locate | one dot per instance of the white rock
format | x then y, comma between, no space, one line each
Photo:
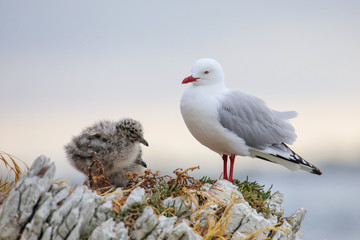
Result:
163,230
204,215
34,227
275,202
179,204
236,215
206,187
76,217
293,224
47,233
110,230
19,205
297,218
137,195
145,224
118,193
224,189
68,208
184,232
280,235
58,196
102,213
252,223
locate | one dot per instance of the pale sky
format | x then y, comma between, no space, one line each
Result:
66,64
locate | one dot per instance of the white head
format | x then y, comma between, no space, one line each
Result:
205,71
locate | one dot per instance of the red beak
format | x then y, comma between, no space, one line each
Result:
189,79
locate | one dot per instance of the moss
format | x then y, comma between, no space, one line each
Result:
206,179
159,193
255,194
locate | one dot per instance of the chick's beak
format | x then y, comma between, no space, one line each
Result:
142,163
143,141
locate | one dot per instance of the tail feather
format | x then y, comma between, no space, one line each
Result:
283,155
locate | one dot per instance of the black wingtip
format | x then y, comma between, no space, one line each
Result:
316,171
301,161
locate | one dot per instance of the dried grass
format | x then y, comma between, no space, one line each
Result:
10,165
97,180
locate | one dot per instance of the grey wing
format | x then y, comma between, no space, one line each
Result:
249,118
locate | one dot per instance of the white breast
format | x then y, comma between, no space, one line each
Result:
199,109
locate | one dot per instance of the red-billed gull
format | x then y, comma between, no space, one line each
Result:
233,123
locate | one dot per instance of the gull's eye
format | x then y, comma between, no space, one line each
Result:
206,72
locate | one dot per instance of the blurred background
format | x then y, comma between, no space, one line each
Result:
67,64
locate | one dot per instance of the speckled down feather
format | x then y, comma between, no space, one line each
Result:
119,179
116,145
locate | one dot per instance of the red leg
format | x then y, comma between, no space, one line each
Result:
225,157
232,160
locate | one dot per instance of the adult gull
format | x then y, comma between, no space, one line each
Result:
233,123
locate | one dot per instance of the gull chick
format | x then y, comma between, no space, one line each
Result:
116,145
119,178
233,123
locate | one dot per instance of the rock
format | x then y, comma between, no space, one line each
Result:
36,207
296,218
236,215
293,224
275,202
223,190
72,219
250,224
137,195
281,235
110,230
180,205
204,215
164,228
19,206
39,208
48,204
103,212
145,224
183,232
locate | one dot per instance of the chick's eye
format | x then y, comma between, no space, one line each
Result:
206,72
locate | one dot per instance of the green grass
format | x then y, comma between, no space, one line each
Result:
161,192
255,194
